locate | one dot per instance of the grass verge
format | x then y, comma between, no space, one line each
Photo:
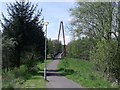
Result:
23,78
82,72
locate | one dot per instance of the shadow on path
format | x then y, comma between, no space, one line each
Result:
60,72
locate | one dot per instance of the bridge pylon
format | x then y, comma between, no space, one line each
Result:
62,28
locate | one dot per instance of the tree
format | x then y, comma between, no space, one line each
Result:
8,48
54,47
92,19
50,48
100,22
24,25
80,48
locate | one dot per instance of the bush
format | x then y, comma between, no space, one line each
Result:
65,64
20,72
7,78
106,58
33,70
16,76
23,69
30,63
80,48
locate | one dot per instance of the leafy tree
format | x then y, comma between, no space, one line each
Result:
100,21
24,26
50,48
92,19
80,48
54,47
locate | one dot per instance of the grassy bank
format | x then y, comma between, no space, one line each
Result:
83,73
24,78
36,80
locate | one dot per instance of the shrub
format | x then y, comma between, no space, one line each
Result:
19,72
34,69
7,78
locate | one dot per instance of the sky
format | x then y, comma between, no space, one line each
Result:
53,12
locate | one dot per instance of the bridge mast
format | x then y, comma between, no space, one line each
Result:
62,27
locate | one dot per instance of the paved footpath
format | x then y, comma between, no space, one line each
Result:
55,80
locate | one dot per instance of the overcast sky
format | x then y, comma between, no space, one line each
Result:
53,12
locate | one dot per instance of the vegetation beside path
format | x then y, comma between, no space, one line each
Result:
24,77
82,72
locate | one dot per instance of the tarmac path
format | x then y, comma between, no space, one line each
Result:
55,80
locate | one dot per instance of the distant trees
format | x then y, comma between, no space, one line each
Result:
23,37
54,47
99,22
80,48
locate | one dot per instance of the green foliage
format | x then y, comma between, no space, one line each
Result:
104,59
92,19
54,46
15,77
7,78
22,34
65,64
80,48
98,55
50,48
34,69
8,46
83,73
20,72
24,77
30,63
101,22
